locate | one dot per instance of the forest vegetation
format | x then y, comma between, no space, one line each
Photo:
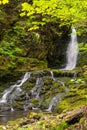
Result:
34,35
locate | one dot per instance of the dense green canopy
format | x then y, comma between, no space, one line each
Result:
65,12
4,1
25,23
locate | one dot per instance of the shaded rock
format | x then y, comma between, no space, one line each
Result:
66,73
76,116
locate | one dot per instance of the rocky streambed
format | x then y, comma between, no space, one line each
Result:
49,96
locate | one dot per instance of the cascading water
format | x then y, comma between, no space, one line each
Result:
72,51
57,80
55,100
35,94
36,89
52,75
13,91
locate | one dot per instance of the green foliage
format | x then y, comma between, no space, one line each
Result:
12,66
4,2
9,49
82,47
66,12
62,126
77,81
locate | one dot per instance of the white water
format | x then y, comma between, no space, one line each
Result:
35,91
72,52
52,75
14,89
55,101
55,79
10,94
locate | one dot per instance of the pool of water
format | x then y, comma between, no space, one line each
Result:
10,116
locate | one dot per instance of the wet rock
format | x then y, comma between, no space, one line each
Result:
24,122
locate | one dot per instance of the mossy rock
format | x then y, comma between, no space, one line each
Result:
46,72
35,102
11,76
28,86
41,73
44,89
64,73
81,60
18,105
45,103
48,81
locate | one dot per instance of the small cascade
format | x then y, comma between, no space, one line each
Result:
12,109
55,101
72,52
27,104
13,91
35,91
55,79
52,75
34,98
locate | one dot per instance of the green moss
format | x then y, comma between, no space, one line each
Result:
44,89
63,105
35,102
28,86
62,126
56,84
22,64
46,101
57,87
18,105
48,81
12,66
63,73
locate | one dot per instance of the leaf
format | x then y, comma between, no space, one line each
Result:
33,28
67,12
22,14
4,2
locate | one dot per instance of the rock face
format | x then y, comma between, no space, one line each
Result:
47,90
19,46
61,92
38,90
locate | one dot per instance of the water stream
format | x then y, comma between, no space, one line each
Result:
57,80
34,94
54,101
10,116
9,94
72,51
35,91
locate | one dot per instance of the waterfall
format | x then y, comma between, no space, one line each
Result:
72,51
13,90
35,96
